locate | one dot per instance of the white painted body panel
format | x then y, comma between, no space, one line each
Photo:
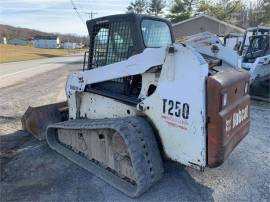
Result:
182,79
231,42
260,68
95,106
203,43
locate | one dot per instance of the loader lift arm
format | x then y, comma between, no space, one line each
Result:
116,38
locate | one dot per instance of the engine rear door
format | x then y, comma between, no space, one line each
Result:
228,107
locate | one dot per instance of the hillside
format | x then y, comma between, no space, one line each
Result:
17,32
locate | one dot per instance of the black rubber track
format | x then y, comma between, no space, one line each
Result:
141,143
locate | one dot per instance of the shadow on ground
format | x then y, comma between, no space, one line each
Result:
71,63
31,171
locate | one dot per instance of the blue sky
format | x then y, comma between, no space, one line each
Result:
56,15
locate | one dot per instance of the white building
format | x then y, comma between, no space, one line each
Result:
3,40
79,45
46,42
69,45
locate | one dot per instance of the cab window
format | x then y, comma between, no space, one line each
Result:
112,43
155,33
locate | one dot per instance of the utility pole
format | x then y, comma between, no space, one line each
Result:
91,14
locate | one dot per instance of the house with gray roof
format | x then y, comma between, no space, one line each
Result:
202,23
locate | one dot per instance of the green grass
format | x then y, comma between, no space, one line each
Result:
12,53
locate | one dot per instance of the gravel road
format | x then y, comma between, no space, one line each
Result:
13,72
31,171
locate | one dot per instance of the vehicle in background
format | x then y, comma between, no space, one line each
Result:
252,53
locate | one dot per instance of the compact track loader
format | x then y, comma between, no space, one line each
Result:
142,97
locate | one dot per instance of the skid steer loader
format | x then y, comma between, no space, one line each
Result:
141,97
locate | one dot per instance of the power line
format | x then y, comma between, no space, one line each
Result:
91,14
76,10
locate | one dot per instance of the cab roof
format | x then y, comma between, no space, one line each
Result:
259,27
126,16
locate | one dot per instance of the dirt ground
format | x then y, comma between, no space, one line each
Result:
31,171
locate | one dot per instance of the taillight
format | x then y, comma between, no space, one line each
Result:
224,99
246,87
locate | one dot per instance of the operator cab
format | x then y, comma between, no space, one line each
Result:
256,43
116,38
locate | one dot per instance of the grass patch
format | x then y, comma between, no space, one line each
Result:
12,53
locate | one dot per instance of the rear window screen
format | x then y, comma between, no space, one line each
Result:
155,33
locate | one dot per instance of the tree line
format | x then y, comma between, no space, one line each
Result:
239,12
11,32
